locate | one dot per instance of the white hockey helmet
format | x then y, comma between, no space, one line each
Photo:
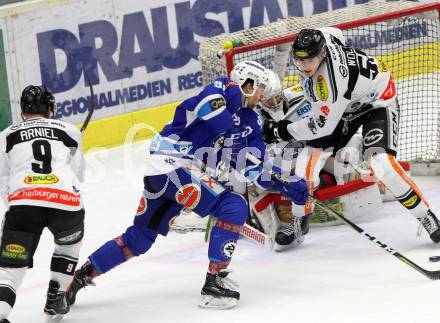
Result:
250,70
273,94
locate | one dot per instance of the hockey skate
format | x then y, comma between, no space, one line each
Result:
5,321
293,234
431,225
219,291
56,304
82,278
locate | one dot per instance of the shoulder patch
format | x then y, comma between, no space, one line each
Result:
217,103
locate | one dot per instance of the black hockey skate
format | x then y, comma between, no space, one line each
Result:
82,278
431,225
56,304
4,321
293,234
219,292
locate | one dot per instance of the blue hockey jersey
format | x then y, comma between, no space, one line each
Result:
200,119
213,121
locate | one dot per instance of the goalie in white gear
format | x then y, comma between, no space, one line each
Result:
277,105
348,89
290,104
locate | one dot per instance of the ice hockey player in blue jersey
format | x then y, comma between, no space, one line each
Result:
207,136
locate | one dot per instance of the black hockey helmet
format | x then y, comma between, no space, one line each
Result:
37,100
308,44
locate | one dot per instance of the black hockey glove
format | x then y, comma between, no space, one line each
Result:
268,132
276,131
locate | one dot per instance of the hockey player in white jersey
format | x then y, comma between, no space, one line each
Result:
41,164
276,105
348,89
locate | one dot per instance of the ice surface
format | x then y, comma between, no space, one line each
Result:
335,276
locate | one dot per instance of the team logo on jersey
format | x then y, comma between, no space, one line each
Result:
373,136
189,195
321,88
41,179
217,103
142,207
383,67
229,248
343,70
297,88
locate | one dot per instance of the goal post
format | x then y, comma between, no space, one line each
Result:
402,34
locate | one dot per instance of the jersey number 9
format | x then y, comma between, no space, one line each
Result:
43,155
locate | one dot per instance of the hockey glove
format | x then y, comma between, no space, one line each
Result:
297,191
276,131
268,132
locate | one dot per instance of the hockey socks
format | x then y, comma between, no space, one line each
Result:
135,241
222,244
108,256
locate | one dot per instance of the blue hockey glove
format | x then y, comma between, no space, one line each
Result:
297,191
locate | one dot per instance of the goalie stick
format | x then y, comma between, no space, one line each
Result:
428,273
91,108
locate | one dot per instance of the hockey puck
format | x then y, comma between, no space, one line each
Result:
434,259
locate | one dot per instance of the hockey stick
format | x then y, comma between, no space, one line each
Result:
428,273
91,108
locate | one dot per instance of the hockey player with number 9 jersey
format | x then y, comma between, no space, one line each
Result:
348,89
41,166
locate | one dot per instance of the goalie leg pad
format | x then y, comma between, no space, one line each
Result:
16,248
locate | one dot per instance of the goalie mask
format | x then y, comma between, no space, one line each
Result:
273,98
250,71
37,100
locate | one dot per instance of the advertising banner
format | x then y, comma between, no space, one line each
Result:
137,54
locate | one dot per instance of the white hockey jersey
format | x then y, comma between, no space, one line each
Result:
41,164
347,84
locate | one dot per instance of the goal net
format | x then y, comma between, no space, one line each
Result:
404,35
